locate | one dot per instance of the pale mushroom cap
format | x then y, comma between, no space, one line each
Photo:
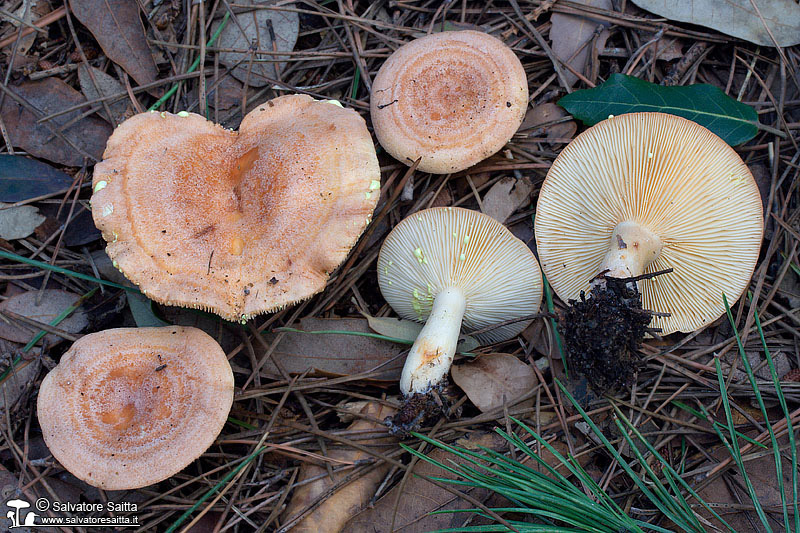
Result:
453,98
129,407
236,223
454,247
675,178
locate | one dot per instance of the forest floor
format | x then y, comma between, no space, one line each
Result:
305,432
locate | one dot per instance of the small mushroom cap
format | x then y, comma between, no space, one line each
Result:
453,98
675,178
453,247
129,407
237,223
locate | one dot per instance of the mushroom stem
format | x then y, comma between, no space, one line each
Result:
631,249
432,353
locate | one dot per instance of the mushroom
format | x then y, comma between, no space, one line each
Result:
129,407
631,197
236,223
450,267
452,98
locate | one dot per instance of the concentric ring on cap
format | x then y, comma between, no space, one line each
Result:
453,98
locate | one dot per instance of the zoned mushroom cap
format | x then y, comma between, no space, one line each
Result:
453,98
237,223
129,407
675,178
454,247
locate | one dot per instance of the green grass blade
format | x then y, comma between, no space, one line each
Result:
193,66
733,447
548,295
56,321
792,446
213,490
344,332
703,416
47,266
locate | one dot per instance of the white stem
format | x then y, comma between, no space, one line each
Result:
432,354
631,249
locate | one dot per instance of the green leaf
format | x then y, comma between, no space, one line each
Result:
707,105
143,313
408,330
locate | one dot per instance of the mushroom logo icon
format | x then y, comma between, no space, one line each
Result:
14,515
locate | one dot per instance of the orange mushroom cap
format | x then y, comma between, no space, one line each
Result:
129,407
452,98
237,223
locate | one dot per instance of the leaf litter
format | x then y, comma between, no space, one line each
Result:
291,386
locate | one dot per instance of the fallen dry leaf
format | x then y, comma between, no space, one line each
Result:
17,382
256,25
569,34
420,497
18,222
53,303
545,113
25,12
47,96
761,472
22,178
736,17
506,196
342,505
492,379
117,26
104,85
336,354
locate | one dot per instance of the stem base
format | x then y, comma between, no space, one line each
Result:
603,334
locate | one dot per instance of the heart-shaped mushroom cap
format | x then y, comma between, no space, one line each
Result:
129,407
237,223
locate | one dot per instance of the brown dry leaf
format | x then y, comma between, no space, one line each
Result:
26,13
736,17
117,26
549,112
668,49
17,382
506,196
570,33
48,96
53,303
761,472
253,29
336,354
341,506
105,86
420,497
18,222
492,379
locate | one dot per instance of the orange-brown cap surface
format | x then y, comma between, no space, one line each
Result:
237,223
129,407
452,98
674,180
